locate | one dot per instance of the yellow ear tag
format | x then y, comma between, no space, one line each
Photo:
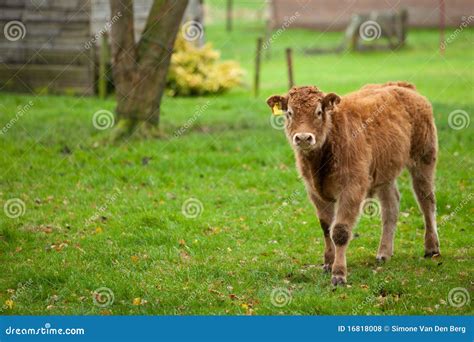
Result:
276,110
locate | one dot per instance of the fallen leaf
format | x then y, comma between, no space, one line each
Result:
134,258
47,230
9,304
184,256
139,301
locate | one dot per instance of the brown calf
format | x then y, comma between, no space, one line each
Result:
353,147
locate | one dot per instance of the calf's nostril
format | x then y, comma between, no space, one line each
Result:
306,138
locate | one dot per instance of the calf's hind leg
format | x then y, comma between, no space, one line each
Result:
389,197
423,185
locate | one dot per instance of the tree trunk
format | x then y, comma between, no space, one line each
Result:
140,69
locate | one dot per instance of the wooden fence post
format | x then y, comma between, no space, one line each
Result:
442,20
103,60
258,54
229,15
289,62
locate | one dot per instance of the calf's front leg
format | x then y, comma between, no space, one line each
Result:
348,208
325,211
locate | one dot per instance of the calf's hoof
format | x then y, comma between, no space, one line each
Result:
327,268
381,258
434,253
338,280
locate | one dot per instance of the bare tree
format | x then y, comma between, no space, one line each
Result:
140,69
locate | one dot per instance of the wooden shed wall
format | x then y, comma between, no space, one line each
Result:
334,15
54,56
100,14
51,57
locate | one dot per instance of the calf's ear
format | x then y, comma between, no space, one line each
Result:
330,101
278,102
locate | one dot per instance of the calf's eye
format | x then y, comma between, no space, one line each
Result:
318,111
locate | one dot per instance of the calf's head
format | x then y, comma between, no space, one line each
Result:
308,116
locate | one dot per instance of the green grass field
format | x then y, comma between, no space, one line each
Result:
110,215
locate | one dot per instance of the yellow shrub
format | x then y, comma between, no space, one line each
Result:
198,71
